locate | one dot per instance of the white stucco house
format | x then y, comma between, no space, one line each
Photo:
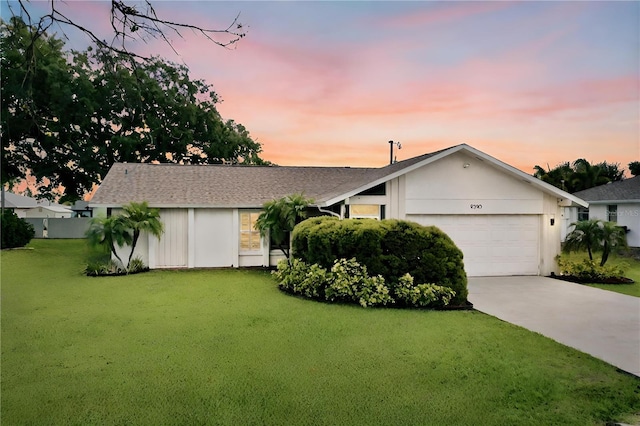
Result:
613,202
505,221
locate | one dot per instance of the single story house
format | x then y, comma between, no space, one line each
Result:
613,202
505,221
27,207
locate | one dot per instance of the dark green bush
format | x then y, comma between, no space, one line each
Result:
390,248
16,232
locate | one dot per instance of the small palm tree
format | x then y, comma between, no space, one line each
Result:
109,232
594,236
611,236
279,217
140,218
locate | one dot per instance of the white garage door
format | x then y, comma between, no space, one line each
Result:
492,244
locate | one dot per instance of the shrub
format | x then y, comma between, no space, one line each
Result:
137,265
421,295
16,232
300,278
349,282
101,267
589,270
389,248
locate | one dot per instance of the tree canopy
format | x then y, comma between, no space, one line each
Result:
579,175
68,116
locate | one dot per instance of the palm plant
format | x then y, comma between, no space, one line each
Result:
279,217
587,175
611,236
595,235
109,232
140,218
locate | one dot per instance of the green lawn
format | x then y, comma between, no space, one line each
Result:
633,272
226,347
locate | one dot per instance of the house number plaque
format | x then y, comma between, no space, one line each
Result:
476,206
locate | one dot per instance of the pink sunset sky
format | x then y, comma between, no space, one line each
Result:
330,83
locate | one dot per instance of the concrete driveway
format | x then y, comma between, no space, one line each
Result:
601,323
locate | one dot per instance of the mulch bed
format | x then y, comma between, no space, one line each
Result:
610,280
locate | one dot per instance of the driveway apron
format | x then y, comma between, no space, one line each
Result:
601,323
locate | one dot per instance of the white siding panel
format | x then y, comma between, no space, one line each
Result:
492,245
214,238
171,251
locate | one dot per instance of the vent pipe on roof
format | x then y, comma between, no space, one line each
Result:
391,144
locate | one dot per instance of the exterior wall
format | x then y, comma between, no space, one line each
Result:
214,233
447,187
569,216
628,215
196,238
550,231
172,249
460,185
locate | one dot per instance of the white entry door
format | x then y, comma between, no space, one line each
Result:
492,245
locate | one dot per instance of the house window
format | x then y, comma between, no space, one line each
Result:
612,213
583,213
376,190
364,211
249,235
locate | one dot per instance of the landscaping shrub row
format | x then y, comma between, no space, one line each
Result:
349,282
590,271
390,248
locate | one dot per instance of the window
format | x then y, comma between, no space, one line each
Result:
376,190
612,213
583,213
363,211
249,236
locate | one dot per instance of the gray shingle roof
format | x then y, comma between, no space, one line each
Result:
232,185
624,190
15,201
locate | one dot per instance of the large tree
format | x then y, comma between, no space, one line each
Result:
68,116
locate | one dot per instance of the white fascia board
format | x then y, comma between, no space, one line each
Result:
615,202
180,206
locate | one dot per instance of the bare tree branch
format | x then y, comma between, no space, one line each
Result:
130,23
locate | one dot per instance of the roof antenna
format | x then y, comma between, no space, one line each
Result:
391,158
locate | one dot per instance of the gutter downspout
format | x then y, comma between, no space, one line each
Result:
329,212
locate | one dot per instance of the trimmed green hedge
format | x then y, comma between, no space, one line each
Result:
390,248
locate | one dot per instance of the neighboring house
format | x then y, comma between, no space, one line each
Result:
505,221
27,207
81,209
615,202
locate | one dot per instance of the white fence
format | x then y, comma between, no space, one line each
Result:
59,227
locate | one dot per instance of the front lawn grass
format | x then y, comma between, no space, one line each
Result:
633,272
227,347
